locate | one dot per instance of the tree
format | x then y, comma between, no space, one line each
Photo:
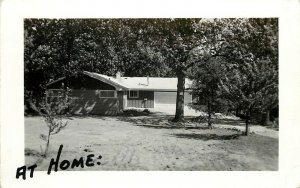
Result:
252,87
53,110
38,56
206,76
176,40
251,82
157,47
65,47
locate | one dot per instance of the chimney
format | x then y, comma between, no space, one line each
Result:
118,76
147,80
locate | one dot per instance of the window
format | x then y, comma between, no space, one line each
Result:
108,94
133,94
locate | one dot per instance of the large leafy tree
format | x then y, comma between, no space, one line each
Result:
65,47
52,48
154,47
251,49
252,87
175,41
258,61
206,76
181,39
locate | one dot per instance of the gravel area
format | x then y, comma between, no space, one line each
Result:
129,144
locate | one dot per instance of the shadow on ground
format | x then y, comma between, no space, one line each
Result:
166,122
146,120
79,116
222,121
230,122
206,137
36,156
31,152
169,127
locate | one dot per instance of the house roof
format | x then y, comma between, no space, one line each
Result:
141,83
138,83
107,79
153,83
54,81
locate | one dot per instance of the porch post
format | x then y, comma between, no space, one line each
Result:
124,99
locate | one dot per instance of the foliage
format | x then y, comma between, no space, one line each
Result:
53,110
136,112
65,47
206,78
137,47
176,40
251,81
251,86
247,47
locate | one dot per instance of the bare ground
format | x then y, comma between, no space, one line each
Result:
151,143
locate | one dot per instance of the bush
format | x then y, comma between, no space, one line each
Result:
146,111
136,112
53,110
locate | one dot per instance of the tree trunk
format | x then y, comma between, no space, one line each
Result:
247,124
47,145
179,116
267,118
237,112
209,115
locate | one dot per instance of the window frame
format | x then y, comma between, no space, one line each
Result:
115,94
134,97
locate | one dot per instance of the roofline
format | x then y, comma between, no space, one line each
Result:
90,74
59,79
110,82
151,89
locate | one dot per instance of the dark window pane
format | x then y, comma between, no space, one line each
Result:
133,94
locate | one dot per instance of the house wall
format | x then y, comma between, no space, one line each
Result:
188,98
140,102
89,102
169,97
85,96
155,99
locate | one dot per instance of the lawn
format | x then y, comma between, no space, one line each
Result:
151,143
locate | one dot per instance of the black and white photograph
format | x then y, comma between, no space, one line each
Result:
151,94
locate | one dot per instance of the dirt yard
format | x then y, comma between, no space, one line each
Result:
139,143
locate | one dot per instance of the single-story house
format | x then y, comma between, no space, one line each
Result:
94,93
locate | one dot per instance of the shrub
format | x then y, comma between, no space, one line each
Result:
53,109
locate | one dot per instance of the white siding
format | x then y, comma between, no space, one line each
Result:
170,98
